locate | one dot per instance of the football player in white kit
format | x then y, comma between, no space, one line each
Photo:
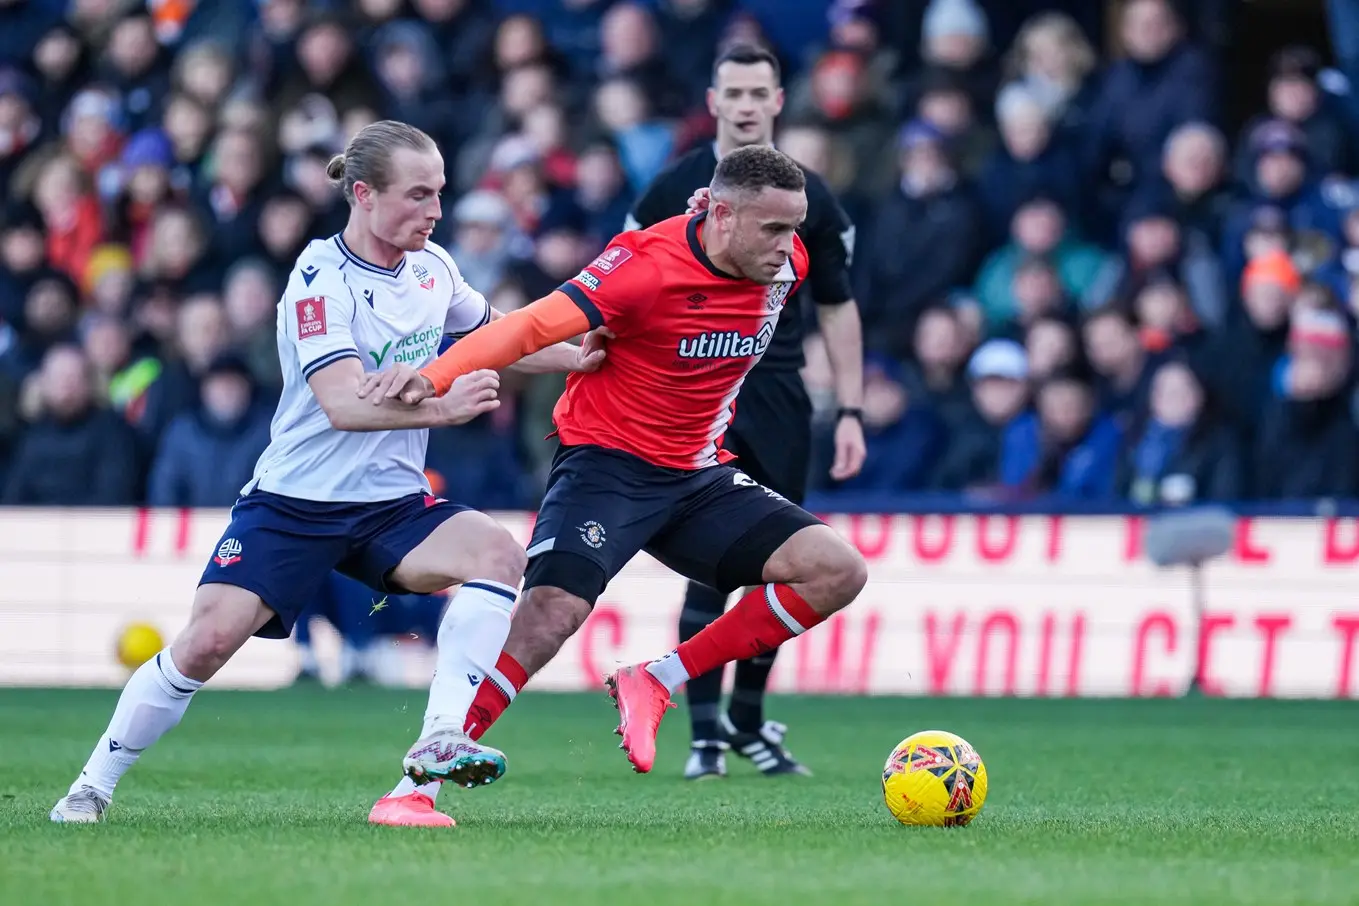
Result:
342,485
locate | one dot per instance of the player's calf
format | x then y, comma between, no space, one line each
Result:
811,575
158,693
546,618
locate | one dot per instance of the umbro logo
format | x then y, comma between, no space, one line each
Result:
696,301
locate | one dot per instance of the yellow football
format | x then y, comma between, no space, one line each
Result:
137,644
934,779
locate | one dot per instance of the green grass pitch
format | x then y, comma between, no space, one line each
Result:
260,799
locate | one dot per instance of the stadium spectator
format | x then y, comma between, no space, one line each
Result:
1295,97
23,255
1164,82
1039,229
1054,61
1066,447
208,454
48,320
1193,184
1280,178
905,436
249,302
956,41
1051,345
73,453
137,69
20,125
1155,242
1240,359
160,181
462,32
1307,439
1122,365
1183,453
998,375
922,242
934,376
1029,161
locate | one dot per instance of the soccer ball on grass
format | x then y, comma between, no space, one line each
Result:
934,779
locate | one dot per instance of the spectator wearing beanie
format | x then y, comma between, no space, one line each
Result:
1240,358
1307,440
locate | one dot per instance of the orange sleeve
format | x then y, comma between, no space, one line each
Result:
552,319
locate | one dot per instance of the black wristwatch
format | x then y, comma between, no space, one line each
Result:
851,411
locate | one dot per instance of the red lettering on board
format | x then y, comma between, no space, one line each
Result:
996,623
1271,627
1162,624
939,661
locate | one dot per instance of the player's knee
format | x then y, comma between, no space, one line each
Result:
494,555
834,571
850,570
217,629
504,559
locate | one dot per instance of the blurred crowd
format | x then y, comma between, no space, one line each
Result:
1076,277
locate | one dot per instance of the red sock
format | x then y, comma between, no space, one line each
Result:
760,622
494,695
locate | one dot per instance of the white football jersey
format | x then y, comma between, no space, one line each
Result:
337,306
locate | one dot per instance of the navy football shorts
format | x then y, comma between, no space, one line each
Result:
282,548
716,525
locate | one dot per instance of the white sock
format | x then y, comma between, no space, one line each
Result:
408,786
471,636
153,701
669,671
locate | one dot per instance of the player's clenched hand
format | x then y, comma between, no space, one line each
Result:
471,395
850,449
699,200
591,354
399,380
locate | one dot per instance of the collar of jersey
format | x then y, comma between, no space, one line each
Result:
696,246
367,266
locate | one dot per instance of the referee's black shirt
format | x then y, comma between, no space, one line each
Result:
827,233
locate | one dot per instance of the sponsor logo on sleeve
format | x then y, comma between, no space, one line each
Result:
588,280
610,260
311,317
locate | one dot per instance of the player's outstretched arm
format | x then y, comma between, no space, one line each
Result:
335,388
565,357
551,320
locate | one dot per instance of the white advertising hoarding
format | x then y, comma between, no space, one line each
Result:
955,605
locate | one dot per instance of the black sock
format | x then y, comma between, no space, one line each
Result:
702,605
747,695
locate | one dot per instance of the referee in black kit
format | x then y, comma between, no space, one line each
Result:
771,433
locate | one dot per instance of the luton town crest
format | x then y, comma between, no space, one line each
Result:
776,295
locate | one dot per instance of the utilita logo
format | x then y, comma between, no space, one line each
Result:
726,344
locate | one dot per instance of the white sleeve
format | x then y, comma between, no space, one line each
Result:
316,321
467,308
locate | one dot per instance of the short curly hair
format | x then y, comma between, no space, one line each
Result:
757,167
